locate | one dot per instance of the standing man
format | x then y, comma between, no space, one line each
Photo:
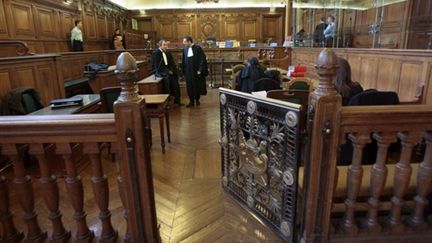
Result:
163,65
76,37
319,33
330,31
194,67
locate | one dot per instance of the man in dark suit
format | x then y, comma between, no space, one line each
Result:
194,67
163,65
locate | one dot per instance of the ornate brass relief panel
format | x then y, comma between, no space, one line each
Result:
260,156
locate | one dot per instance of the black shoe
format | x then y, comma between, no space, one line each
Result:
198,103
190,105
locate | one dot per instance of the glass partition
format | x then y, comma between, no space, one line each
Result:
347,23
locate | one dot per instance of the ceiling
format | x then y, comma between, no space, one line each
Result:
191,4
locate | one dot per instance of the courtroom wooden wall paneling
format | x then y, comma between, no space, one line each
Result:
420,25
428,88
5,81
231,28
20,20
272,27
387,78
46,24
225,24
410,76
185,25
3,24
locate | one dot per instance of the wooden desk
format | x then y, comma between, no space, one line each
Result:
107,78
90,105
157,107
282,71
150,85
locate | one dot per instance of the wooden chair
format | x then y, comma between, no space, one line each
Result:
234,73
299,84
21,101
107,96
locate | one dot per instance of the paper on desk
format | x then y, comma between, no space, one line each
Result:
260,93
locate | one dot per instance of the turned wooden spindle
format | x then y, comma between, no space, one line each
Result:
50,193
377,180
75,193
101,192
9,232
424,186
121,190
354,178
401,180
24,192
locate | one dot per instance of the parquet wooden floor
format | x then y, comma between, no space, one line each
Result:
191,204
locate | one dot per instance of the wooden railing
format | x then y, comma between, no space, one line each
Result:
384,201
43,136
14,48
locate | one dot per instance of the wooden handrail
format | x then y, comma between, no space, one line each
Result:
385,118
54,128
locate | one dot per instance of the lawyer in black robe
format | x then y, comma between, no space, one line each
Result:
194,67
168,71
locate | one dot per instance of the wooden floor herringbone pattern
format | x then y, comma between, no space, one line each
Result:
191,204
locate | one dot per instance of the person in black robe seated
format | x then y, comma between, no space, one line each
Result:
343,83
163,65
251,73
195,70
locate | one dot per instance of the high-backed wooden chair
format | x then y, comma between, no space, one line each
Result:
107,96
234,73
299,84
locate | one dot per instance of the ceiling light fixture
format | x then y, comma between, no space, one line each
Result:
207,1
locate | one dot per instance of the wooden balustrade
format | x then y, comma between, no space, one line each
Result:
42,136
382,202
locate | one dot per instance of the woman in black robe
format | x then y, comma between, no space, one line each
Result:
249,75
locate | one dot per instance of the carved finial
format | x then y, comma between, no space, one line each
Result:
327,66
126,72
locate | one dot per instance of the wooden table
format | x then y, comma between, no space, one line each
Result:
90,105
107,78
150,85
157,107
281,70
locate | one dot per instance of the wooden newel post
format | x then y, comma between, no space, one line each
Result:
135,161
320,168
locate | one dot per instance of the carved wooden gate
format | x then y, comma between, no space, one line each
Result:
260,156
